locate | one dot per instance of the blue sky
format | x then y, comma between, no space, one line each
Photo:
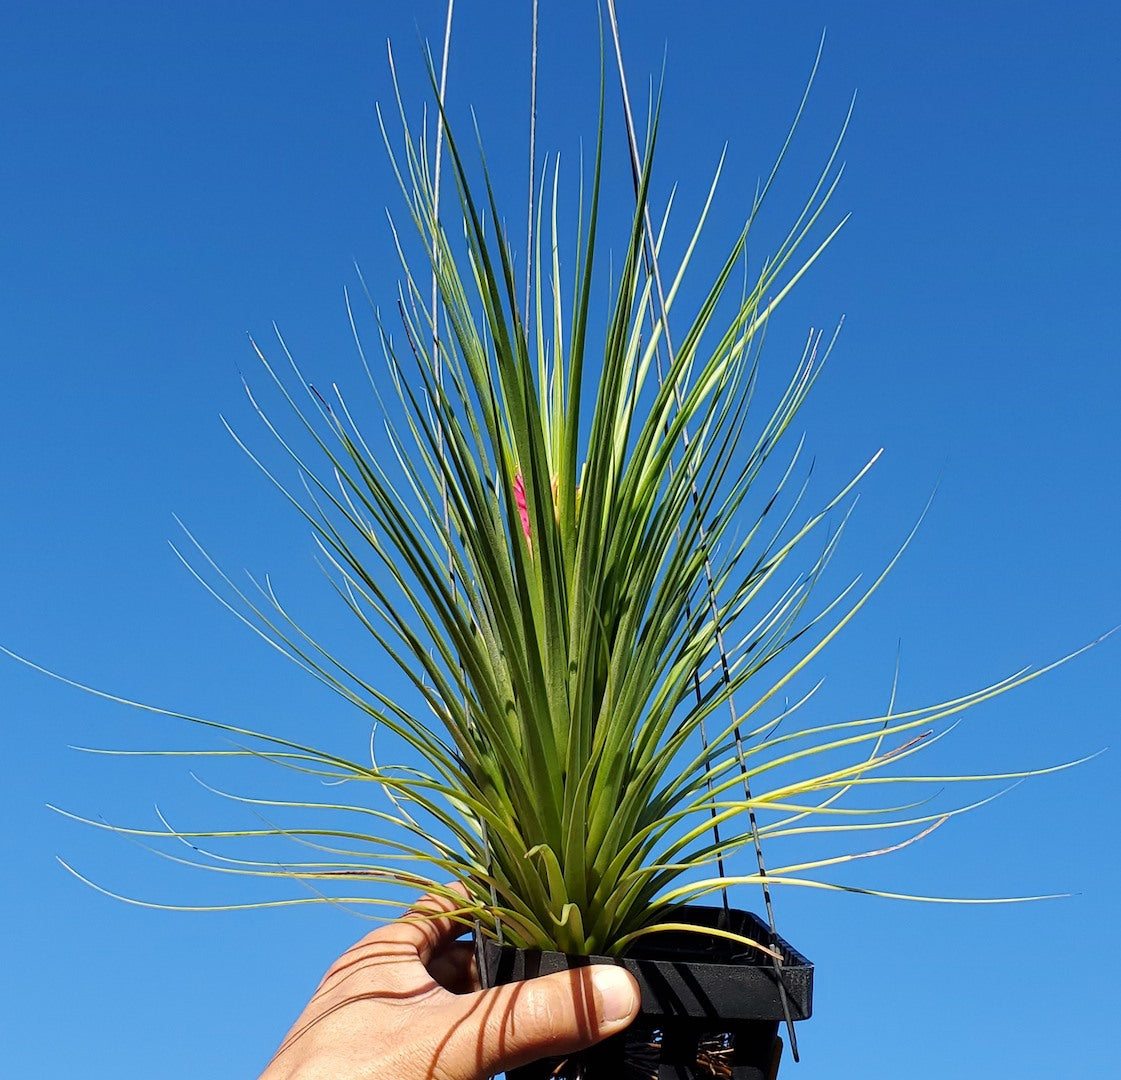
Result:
175,177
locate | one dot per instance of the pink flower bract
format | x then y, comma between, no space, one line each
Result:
519,498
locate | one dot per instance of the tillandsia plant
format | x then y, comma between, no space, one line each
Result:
584,548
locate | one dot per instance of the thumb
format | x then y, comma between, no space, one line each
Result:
551,1016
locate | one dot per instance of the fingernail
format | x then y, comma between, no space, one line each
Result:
617,998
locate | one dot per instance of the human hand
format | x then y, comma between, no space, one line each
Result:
403,1004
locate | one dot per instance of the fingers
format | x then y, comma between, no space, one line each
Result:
427,926
395,956
453,967
558,1014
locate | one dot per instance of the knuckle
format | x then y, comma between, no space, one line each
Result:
539,1012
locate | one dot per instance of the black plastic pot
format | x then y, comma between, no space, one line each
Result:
709,1008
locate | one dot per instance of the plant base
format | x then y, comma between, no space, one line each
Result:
709,1009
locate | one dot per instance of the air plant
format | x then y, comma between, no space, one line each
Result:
584,547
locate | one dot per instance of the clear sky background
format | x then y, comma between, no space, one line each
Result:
176,176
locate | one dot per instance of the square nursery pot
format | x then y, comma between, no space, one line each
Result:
709,1008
